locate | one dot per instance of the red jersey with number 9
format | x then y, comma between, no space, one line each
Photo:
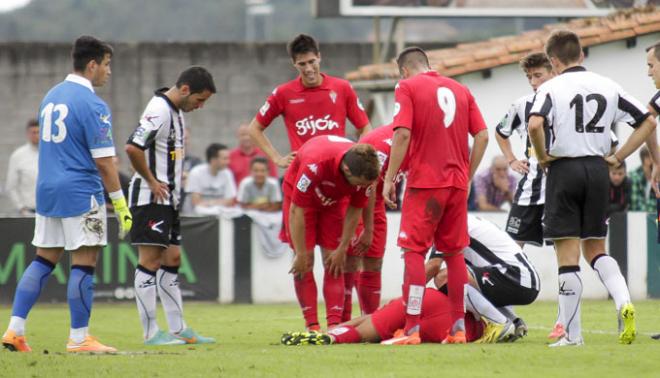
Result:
440,113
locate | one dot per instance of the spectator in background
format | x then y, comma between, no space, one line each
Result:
212,184
619,189
240,158
642,197
258,191
189,162
124,182
22,171
494,186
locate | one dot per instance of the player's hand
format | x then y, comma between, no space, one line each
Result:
160,190
389,193
612,161
300,265
286,160
124,216
335,262
520,166
545,160
363,241
655,178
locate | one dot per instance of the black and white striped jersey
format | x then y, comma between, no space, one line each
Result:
531,187
160,134
490,246
580,108
655,102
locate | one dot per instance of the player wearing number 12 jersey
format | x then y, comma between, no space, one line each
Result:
433,117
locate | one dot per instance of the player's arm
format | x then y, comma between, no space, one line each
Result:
337,258
259,138
138,160
364,241
520,166
297,231
478,149
110,177
359,133
652,145
640,135
537,137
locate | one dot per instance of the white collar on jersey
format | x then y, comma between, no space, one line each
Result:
74,78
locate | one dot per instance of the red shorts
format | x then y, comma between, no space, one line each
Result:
435,320
323,227
377,248
434,217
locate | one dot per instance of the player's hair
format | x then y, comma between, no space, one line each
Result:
302,44
32,122
535,60
362,161
563,45
656,49
259,160
213,149
644,154
87,48
197,78
412,56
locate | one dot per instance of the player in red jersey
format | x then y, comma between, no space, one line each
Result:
313,104
433,117
325,189
368,246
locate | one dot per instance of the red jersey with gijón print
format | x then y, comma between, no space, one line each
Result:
315,111
440,113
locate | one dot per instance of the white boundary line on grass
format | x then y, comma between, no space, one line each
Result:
592,331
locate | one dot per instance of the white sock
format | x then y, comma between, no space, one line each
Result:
145,296
570,293
170,296
508,312
77,335
479,306
610,275
17,324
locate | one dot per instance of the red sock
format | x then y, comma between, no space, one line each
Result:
333,293
414,279
456,281
345,335
306,293
368,289
349,283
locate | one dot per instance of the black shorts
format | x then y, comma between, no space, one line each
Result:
525,224
576,198
155,225
499,289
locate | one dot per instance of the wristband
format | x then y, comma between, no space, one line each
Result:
116,195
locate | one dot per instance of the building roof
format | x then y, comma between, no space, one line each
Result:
477,56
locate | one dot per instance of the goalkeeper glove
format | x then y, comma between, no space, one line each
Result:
122,212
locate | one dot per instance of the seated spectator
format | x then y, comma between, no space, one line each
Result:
240,158
22,171
494,186
258,191
124,183
211,185
619,189
642,197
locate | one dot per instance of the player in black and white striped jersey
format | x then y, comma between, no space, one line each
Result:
576,110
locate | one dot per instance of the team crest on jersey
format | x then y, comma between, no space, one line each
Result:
313,167
105,118
303,183
333,96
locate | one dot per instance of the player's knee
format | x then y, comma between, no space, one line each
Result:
372,264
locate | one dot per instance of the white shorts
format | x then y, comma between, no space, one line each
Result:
89,230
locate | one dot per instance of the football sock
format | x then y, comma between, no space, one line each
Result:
508,312
345,335
349,282
80,295
610,275
414,279
145,296
307,293
570,293
27,292
456,282
333,294
478,305
167,281
368,289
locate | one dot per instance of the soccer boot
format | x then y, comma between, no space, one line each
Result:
163,338
496,333
306,338
564,341
90,344
557,332
15,343
521,329
191,337
656,336
400,338
627,320
456,338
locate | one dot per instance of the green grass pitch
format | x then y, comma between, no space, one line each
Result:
249,346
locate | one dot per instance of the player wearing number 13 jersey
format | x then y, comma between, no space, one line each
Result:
433,117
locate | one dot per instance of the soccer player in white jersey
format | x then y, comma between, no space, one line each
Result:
577,108
524,223
156,151
75,163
